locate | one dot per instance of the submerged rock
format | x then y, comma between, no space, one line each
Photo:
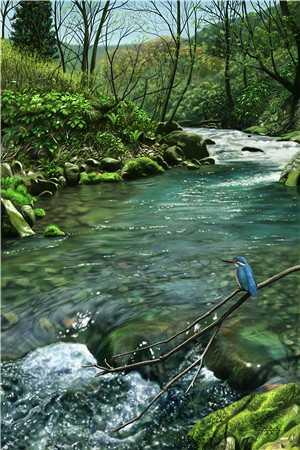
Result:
53,231
252,150
141,167
208,141
244,354
16,219
72,173
290,176
258,421
192,144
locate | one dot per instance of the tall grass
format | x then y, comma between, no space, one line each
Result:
21,71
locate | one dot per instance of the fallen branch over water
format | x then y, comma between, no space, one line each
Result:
214,326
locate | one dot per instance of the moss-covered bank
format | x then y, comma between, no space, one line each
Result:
270,420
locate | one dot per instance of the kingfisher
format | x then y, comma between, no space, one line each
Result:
244,274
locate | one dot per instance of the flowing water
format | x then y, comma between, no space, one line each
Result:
139,259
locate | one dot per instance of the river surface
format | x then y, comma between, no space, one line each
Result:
140,258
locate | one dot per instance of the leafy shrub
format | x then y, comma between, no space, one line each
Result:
205,102
43,121
109,144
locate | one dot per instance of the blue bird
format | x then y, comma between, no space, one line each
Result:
244,274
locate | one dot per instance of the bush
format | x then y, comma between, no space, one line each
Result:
44,121
109,144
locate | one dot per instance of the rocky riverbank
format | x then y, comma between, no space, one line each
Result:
23,185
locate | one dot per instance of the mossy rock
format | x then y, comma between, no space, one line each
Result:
53,231
172,155
192,144
71,173
110,164
39,186
28,213
257,129
6,170
15,218
95,178
141,167
39,213
253,422
167,127
290,176
291,136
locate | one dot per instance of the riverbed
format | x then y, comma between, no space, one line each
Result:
140,258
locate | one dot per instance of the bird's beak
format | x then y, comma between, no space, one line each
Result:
231,261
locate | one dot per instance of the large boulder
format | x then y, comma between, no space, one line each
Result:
110,164
172,155
72,173
167,127
244,354
258,421
192,144
15,218
290,176
141,167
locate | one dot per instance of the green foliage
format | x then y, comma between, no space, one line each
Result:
20,71
94,178
43,121
32,28
12,188
53,231
205,102
141,167
39,213
109,144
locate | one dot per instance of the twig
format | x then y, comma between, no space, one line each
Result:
170,383
189,327
216,325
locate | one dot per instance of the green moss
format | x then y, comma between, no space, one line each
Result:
253,421
18,196
39,213
141,167
256,129
11,182
53,231
94,178
291,136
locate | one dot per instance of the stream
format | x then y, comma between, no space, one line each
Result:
139,261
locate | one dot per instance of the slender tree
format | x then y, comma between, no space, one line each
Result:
32,28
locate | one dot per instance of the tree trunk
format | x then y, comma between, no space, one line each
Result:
175,64
97,37
227,81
